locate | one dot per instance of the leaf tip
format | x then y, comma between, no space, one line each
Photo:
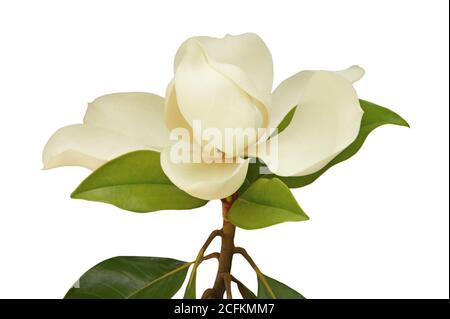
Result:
405,123
400,121
302,217
75,194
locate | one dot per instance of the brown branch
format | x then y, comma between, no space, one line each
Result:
211,256
243,253
245,292
226,255
201,255
210,294
211,237
226,277
235,280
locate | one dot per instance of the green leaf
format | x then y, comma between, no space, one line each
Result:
190,292
273,289
374,116
135,182
131,278
266,202
252,175
286,120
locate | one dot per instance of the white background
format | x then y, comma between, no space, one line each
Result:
379,223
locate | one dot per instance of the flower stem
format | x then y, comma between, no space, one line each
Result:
222,281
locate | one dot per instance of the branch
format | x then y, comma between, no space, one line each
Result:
211,256
226,277
201,254
223,284
235,280
214,234
243,253
245,292
209,294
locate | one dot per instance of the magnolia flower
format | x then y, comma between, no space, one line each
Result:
222,83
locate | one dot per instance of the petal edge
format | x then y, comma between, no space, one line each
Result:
86,146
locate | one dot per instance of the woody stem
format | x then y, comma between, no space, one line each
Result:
221,283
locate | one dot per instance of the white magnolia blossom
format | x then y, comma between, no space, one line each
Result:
223,83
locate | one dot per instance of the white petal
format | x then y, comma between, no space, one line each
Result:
114,124
286,96
247,51
205,181
208,96
87,146
288,93
353,73
326,121
172,114
137,115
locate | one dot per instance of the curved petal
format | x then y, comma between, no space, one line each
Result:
205,95
353,73
326,121
202,180
287,95
114,124
172,114
137,115
87,146
247,51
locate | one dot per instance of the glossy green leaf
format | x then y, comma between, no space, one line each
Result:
273,289
252,175
286,120
191,287
266,202
131,278
374,116
135,182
